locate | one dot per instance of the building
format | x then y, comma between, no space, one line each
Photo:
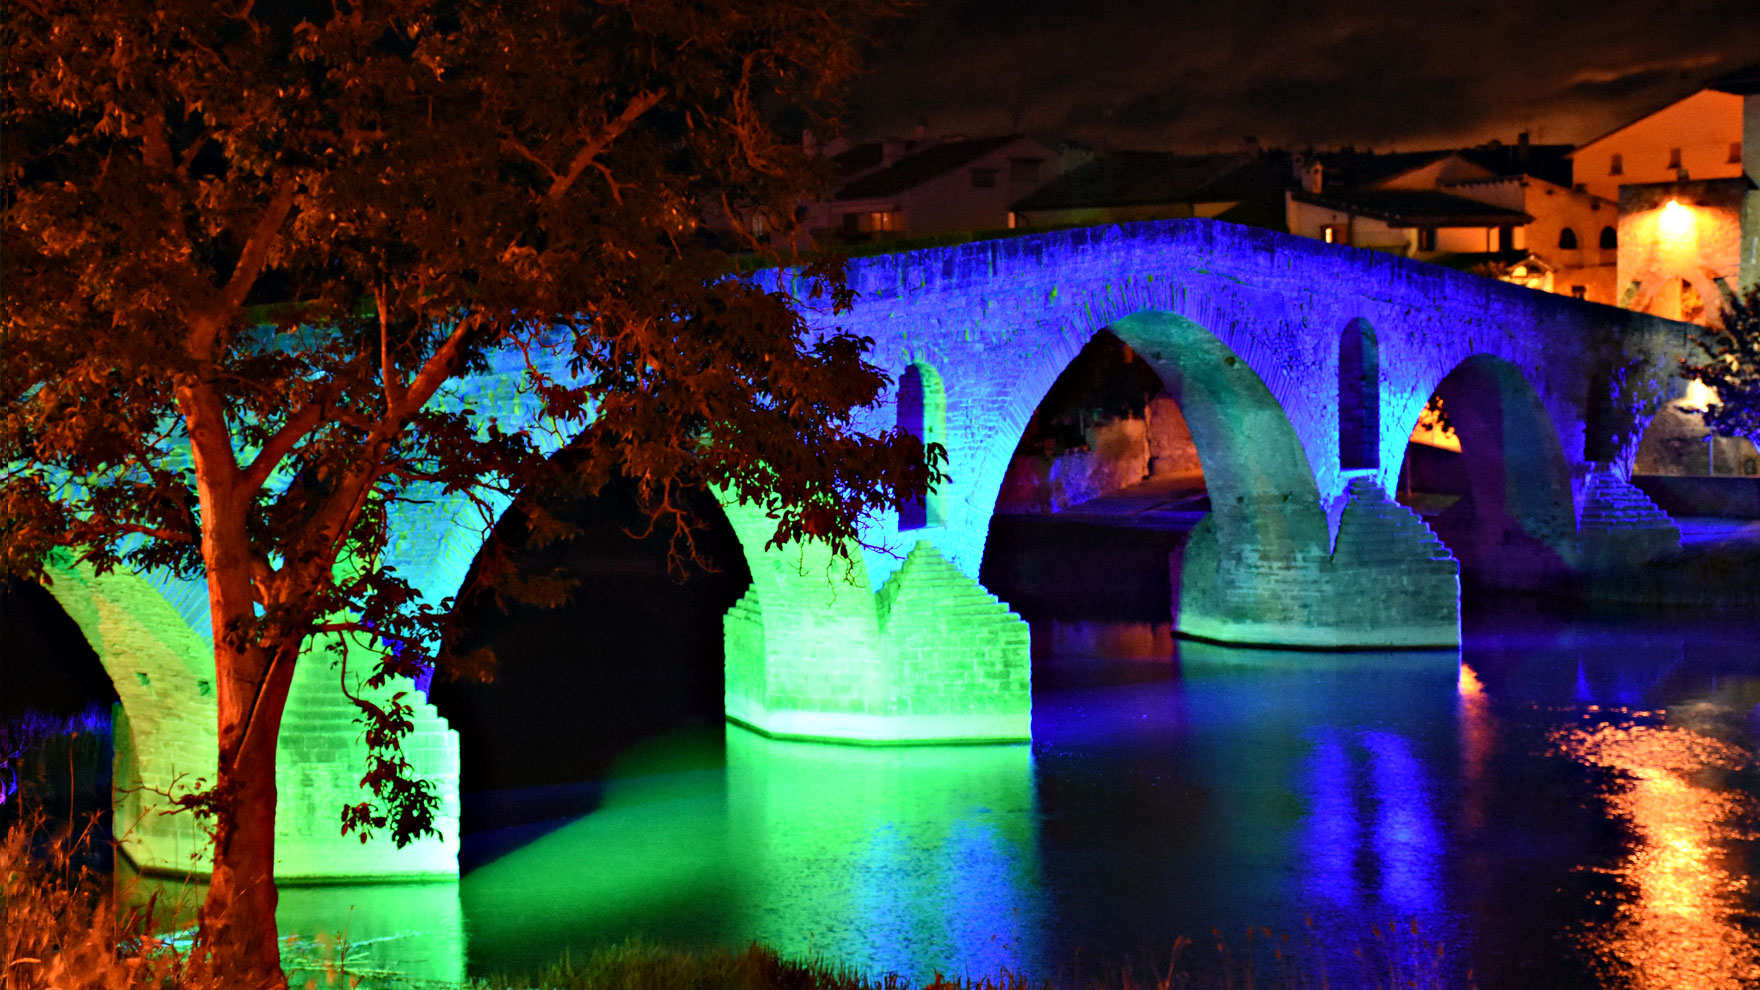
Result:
929,186
1122,186
1508,210
1685,178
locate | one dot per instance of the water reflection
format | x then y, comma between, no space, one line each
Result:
889,859
373,935
1176,787
1682,922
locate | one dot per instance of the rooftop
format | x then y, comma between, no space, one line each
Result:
919,166
1414,207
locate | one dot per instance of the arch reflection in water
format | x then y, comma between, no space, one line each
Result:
1354,734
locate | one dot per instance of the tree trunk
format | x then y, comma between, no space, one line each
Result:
238,918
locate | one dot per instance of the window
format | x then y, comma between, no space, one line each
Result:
1506,238
1579,292
1674,158
1331,233
1735,152
1426,238
983,178
873,221
1567,240
1023,170
756,224
1609,239
1618,167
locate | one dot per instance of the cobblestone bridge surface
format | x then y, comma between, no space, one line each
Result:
1300,367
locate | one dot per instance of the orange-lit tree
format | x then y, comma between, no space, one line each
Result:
244,246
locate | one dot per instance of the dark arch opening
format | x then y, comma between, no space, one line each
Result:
1501,502
1104,483
1567,239
1609,239
922,412
634,654
1359,397
55,714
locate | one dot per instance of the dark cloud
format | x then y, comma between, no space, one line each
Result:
1199,76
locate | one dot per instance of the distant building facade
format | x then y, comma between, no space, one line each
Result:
1686,179
888,190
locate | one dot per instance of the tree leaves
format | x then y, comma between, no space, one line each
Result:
1732,368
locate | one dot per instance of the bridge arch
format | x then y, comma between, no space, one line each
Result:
1515,525
162,669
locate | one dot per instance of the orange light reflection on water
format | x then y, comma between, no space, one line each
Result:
1679,925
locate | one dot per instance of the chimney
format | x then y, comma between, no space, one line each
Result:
1522,146
1313,177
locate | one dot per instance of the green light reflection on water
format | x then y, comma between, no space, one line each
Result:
874,857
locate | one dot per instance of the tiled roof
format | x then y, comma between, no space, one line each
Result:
1415,207
918,167
1542,161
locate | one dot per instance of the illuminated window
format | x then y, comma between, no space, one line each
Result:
1426,238
1674,158
1567,240
869,222
1023,169
1618,167
1609,239
1329,234
983,178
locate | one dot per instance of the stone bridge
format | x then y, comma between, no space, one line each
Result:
1300,367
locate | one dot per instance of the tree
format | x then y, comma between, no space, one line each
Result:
246,246
1733,368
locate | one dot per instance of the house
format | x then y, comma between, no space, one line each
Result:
1507,209
1685,178
1122,186
926,187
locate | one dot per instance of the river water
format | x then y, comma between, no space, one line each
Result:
1565,803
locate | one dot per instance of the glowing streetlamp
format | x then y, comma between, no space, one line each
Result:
1676,221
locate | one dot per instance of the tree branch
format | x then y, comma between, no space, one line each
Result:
206,329
306,419
641,104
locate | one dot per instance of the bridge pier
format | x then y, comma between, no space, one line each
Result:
1388,584
165,741
813,653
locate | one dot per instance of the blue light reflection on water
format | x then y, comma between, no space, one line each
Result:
1162,796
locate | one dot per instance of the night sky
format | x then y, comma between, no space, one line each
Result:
1380,74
